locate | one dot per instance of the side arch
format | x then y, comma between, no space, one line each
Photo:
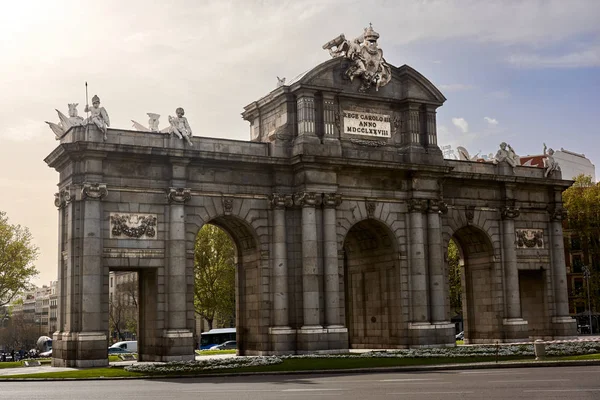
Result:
246,222
481,277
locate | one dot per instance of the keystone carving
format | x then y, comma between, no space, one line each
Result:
370,206
227,205
281,201
62,198
307,199
94,191
179,195
470,214
331,200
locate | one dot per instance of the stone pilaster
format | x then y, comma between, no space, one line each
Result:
280,202
330,131
310,277
330,256
306,117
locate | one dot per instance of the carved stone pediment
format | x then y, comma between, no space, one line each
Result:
133,226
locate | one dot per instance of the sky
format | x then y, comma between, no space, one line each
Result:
524,72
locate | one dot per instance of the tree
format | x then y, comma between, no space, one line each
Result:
454,278
582,202
123,309
17,254
214,272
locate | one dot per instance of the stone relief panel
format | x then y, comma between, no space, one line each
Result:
530,238
133,226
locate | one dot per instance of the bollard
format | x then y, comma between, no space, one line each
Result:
539,348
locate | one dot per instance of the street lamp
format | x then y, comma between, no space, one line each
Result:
586,276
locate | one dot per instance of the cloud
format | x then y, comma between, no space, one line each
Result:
491,121
455,87
461,124
585,58
500,94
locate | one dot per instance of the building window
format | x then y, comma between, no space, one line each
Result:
575,243
577,264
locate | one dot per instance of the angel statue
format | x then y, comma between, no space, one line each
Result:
98,115
66,123
550,163
505,155
180,126
367,58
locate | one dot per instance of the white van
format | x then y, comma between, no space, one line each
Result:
130,345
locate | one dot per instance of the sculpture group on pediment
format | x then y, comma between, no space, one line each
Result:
507,154
66,123
98,115
180,127
366,58
550,164
153,124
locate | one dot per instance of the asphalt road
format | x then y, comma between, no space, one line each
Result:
581,382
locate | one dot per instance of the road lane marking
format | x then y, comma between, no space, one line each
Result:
407,380
531,380
310,390
560,390
403,393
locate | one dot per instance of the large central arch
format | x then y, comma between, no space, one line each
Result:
340,231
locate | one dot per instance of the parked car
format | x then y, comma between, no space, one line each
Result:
118,350
45,354
460,335
228,345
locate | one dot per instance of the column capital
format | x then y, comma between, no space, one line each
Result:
280,201
510,212
93,191
331,200
178,195
307,199
417,205
437,206
557,213
62,198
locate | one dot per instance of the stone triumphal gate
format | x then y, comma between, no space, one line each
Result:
341,208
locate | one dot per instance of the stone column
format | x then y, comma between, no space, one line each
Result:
511,272
330,258
310,277
280,270
559,269
431,127
61,201
414,125
418,263
436,261
176,312
329,131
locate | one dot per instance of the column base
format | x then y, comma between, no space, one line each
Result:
283,340
515,329
426,334
79,349
174,345
316,339
564,327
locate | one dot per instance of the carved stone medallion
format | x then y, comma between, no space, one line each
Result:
133,226
530,238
